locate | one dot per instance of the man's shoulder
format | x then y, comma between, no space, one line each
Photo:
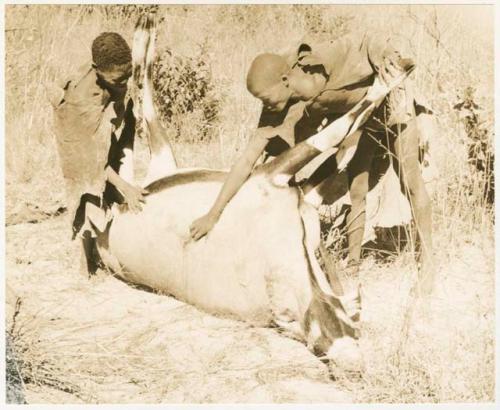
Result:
314,45
75,76
343,43
83,85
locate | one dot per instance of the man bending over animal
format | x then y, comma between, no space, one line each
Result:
93,126
331,78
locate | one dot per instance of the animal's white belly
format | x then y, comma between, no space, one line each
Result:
251,264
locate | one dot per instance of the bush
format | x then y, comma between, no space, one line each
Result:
321,24
184,85
479,141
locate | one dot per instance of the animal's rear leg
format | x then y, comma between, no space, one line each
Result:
139,47
162,157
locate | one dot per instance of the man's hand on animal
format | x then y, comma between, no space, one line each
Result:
93,101
133,196
237,176
201,226
242,168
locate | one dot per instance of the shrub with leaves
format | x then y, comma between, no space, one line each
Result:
126,11
184,85
479,140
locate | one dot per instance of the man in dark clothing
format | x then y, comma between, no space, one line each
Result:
331,78
93,125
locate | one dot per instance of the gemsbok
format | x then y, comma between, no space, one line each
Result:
258,263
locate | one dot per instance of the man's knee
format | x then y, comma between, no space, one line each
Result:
413,183
358,195
422,201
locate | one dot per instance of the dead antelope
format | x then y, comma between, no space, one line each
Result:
258,263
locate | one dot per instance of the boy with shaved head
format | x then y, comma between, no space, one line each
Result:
93,125
331,78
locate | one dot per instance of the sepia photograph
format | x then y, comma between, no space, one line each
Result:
249,203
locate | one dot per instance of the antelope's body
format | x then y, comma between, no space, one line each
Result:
252,265
258,263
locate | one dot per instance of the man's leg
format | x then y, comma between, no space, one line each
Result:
88,263
412,184
358,171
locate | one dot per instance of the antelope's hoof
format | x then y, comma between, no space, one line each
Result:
346,354
351,302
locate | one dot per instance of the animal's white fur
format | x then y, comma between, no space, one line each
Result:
281,179
331,135
347,149
232,270
257,263
313,197
314,334
161,164
127,166
346,353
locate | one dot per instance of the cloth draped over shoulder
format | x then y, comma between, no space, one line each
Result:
86,122
349,65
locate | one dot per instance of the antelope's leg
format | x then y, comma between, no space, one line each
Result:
88,262
324,185
139,48
345,307
162,157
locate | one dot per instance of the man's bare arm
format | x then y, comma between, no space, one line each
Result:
134,196
237,176
243,167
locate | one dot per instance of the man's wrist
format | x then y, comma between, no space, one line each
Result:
215,213
121,184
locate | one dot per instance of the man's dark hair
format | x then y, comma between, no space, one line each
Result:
109,49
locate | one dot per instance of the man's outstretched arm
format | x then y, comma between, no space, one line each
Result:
133,195
237,176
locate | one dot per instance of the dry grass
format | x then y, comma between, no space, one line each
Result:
105,342
132,346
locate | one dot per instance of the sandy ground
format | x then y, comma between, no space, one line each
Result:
131,345
104,341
